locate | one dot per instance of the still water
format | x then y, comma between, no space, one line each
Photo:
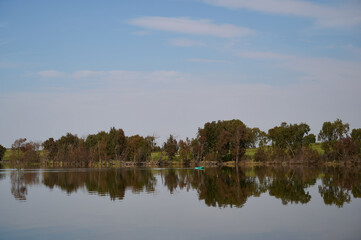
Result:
148,203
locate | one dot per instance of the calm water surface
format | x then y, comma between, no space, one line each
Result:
135,203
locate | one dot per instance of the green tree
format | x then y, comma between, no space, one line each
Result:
31,152
18,148
224,140
196,149
51,148
309,139
68,148
289,137
171,147
138,148
331,133
2,152
115,143
356,138
356,135
258,138
185,150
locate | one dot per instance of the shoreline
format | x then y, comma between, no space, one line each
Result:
121,164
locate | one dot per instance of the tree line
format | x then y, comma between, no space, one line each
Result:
218,141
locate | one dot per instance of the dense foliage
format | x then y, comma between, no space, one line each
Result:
2,152
216,141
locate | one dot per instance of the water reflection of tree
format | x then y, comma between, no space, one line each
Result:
2,174
290,185
215,186
338,185
229,187
19,182
113,182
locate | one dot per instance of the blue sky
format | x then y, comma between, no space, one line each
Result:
168,66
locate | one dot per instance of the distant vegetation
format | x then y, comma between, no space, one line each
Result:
220,141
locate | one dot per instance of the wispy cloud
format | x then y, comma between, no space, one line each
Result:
51,74
190,26
352,49
141,33
264,55
184,42
119,77
6,64
326,70
4,42
325,16
205,60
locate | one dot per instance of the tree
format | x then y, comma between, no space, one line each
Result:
356,138
185,150
18,147
345,148
31,152
115,143
224,145
151,142
196,149
224,140
331,133
51,147
309,139
289,136
25,151
208,136
2,152
171,147
68,148
258,138
356,135
138,148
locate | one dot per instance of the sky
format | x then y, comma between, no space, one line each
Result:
165,67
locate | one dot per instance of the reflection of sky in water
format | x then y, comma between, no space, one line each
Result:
156,214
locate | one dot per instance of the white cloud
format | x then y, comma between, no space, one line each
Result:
190,26
325,16
87,74
184,42
205,60
141,33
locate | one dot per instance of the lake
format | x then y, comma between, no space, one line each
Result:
168,203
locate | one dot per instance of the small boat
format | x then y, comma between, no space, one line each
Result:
199,168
